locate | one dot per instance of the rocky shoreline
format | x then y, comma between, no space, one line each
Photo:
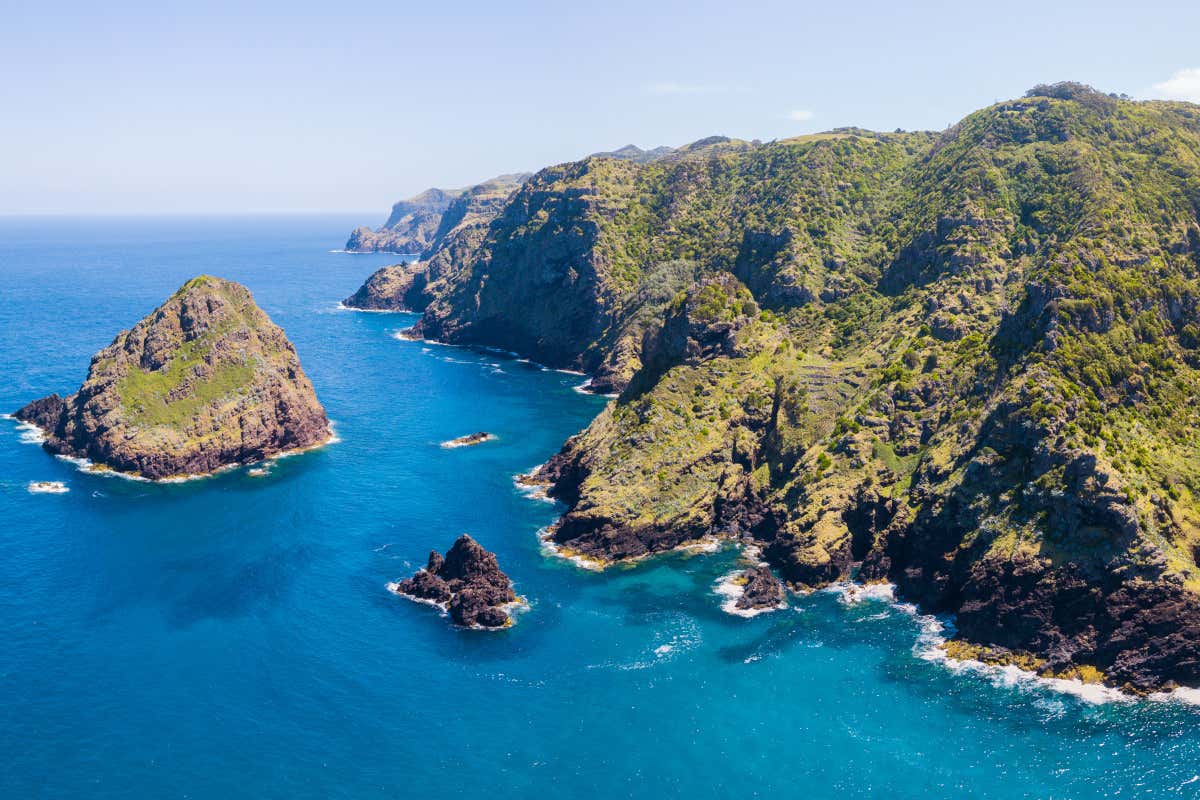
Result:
867,371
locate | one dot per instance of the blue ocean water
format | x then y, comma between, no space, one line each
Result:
232,637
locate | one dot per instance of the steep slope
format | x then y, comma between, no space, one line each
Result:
409,229
204,381
967,362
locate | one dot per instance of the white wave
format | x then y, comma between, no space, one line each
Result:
934,633
88,466
394,588
1183,694
341,306
28,433
550,547
47,487
586,388
258,472
534,491
852,594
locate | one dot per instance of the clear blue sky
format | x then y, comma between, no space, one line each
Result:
172,107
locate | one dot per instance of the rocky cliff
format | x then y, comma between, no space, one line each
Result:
965,363
417,224
204,381
409,229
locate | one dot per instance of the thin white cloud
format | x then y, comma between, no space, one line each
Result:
672,87
799,115
1183,85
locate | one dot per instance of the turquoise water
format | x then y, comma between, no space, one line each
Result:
232,637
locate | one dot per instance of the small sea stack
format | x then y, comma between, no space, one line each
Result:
467,582
751,592
203,382
470,439
761,591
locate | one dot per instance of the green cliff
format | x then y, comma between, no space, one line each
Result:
966,363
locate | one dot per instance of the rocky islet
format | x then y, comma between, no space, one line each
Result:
203,382
467,582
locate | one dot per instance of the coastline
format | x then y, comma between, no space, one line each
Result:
405,336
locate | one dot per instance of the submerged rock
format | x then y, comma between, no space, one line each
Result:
468,582
204,381
470,439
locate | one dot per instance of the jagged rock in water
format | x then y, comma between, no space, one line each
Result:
468,582
204,381
761,591
470,439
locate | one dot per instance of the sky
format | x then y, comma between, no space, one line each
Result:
269,107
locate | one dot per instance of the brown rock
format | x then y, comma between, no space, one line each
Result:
468,581
205,381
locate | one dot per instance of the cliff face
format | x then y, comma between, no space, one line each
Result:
410,228
204,381
417,224
966,362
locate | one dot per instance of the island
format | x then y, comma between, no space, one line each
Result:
203,382
962,362
467,582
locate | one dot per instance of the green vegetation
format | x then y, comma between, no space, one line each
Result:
174,395
994,330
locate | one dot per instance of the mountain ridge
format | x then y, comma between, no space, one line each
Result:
960,362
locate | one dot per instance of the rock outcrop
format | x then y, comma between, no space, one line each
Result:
761,590
204,381
467,582
396,287
470,439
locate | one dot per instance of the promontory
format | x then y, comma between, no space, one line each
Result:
204,381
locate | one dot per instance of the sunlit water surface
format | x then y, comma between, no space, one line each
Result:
232,637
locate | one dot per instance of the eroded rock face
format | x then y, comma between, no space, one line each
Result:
410,229
468,582
396,287
204,381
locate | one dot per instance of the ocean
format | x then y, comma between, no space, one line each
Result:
232,637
